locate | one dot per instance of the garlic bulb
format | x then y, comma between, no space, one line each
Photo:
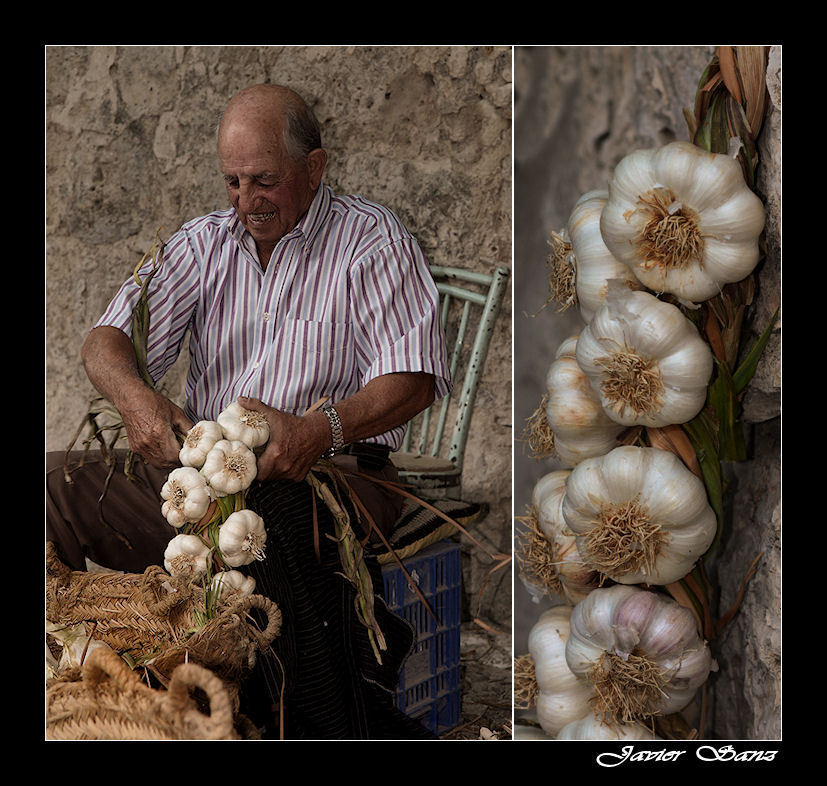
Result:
566,572
592,728
645,360
639,650
199,442
232,581
76,645
187,555
241,538
561,696
230,466
244,425
186,496
639,515
594,263
574,413
683,220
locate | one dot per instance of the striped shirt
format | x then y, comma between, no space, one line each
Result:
346,297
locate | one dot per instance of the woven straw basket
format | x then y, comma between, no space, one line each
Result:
150,618
111,702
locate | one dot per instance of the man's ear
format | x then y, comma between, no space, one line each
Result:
316,162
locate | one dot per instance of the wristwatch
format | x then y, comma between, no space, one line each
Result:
335,431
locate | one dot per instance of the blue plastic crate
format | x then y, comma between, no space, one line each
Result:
429,683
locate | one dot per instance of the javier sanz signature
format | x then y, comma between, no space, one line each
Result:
628,754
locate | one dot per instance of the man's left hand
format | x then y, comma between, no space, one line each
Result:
295,443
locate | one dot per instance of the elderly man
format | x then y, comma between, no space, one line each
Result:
292,296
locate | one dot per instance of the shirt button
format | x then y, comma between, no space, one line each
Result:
266,316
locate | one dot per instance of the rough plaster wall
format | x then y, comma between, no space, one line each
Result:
130,149
578,110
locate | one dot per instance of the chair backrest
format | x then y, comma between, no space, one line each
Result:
470,303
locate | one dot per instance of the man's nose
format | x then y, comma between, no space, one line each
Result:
247,195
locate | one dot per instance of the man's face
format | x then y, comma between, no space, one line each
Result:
269,191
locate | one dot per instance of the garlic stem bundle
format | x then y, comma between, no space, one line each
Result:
205,498
579,426
639,650
639,515
683,220
549,556
645,360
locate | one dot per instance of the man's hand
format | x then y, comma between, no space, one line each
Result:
151,422
295,443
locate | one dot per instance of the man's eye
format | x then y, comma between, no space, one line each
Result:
231,182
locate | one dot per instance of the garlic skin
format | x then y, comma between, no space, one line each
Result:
561,696
595,264
575,577
639,515
683,220
187,555
244,425
640,650
199,442
229,467
574,412
645,360
186,496
232,581
241,538
592,728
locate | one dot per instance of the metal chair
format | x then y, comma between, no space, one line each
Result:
431,456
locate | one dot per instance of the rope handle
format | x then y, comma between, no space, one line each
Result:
103,663
219,723
264,637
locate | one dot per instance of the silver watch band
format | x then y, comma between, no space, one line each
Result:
335,431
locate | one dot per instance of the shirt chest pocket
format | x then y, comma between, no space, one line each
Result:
302,336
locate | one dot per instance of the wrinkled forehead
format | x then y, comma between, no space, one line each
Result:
255,141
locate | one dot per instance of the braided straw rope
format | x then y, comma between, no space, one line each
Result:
111,702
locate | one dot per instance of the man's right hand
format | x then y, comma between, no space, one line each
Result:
151,420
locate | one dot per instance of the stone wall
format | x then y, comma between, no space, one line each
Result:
578,111
130,149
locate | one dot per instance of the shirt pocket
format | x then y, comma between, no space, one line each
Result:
309,337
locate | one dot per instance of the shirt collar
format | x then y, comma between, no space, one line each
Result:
310,223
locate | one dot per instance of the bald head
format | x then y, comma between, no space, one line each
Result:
276,111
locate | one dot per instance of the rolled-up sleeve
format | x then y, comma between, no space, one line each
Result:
396,315
172,297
